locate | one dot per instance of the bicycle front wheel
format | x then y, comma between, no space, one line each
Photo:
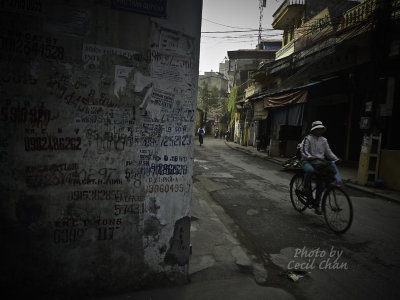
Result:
338,210
299,201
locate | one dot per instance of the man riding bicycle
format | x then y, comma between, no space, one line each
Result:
314,148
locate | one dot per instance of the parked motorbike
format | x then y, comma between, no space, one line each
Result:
293,163
261,144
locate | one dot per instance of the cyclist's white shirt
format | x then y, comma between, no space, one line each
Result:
316,146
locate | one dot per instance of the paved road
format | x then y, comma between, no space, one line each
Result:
364,263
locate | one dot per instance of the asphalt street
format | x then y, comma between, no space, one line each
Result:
363,263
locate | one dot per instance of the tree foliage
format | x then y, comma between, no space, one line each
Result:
232,104
208,98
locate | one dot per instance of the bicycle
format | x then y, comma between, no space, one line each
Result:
336,204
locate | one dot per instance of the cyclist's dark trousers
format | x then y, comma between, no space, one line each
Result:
308,174
200,139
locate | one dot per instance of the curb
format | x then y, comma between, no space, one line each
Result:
373,193
350,185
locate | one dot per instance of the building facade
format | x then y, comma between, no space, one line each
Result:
337,65
244,64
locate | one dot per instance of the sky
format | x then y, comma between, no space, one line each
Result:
233,15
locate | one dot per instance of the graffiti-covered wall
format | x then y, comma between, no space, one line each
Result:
98,102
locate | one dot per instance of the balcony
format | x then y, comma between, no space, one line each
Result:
357,14
287,14
287,50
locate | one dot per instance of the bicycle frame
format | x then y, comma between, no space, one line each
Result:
336,204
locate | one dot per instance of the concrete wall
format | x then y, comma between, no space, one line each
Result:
98,102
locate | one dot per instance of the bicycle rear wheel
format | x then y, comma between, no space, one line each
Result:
338,210
299,201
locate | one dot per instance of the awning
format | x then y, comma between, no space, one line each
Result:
288,88
299,96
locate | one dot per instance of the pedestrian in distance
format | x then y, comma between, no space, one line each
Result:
314,149
201,131
228,133
216,133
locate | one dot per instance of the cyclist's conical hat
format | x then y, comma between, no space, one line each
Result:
316,125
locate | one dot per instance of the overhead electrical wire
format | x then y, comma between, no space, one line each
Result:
233,31
248,37
335,21
241,36
357,27
234,27
224,25
249,34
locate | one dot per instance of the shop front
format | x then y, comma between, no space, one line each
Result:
260,126
286,117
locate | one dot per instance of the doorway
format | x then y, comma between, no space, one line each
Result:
335,119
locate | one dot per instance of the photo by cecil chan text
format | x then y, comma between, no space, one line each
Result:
317,259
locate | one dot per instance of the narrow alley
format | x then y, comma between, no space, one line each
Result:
251,197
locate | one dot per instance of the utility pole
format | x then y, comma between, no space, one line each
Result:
261,5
